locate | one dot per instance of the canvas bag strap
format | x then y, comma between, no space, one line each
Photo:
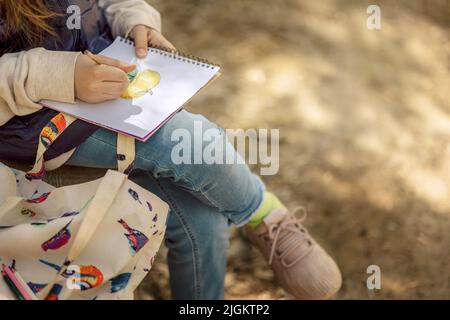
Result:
57,125
96,211
126,153
103,199
52,130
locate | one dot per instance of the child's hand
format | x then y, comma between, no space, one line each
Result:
95,83
144,35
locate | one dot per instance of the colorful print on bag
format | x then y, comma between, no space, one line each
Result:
149,205
69,214
136,239
39,224
55,292
51,131
39,199
65,215
120,282
152,260
36,287
58,240
28,212
135,195
129,169
87,278
39,175
47,136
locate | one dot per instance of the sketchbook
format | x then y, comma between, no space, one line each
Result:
161,84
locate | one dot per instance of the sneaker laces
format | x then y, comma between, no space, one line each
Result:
291,232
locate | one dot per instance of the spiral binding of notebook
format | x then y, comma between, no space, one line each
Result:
174,54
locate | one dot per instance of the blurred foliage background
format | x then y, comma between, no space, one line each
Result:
364,117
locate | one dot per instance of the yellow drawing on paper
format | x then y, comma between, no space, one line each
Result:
141,83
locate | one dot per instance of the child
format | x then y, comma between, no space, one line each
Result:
41,59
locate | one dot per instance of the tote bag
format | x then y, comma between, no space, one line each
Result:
95,240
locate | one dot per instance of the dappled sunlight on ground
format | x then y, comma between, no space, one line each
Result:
364,119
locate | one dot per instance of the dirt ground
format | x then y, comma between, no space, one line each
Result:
364,118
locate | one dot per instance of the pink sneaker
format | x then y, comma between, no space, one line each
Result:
301,266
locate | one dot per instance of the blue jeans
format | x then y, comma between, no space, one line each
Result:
203,200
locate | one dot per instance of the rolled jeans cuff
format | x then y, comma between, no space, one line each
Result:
257,203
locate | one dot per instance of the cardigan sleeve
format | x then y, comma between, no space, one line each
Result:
29,76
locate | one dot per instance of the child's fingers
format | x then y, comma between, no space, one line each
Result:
158,39
126,67
114,88
141,41
111,74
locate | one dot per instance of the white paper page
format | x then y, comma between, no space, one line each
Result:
140,117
